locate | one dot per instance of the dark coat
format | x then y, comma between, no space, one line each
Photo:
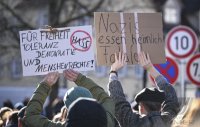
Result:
128,118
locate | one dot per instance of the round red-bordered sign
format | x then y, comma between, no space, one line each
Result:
181,41
193,69
169,70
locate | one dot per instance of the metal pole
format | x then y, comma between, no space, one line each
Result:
199,29
183,79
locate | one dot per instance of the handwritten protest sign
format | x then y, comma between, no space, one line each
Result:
129,33
43,51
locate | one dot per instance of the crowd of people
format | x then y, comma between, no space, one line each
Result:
89,105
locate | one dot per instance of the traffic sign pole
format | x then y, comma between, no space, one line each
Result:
181,43
183,88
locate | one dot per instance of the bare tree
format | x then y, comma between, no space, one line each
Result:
72,10
60,14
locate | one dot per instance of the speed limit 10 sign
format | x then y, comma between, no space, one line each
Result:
181,41
193,69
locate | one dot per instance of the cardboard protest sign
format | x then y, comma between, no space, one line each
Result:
44,51
129,33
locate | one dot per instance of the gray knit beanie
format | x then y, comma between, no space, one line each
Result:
75,92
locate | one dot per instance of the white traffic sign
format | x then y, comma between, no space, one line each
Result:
181,41
193,69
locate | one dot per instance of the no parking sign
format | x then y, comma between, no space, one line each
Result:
193,69
169,70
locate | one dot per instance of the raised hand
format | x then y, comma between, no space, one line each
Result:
64,113
51,78
145,61
120,61
70,74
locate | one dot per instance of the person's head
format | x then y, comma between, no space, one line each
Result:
5,113
57,117
149,100
12,119
61,116
1,122
21,116
26,100
189,116
18,105
86,112
57,105
8,103
75,92
135,106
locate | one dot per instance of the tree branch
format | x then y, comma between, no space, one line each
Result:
82,6
14,31
15,15
84,14
3,24
60,8
4,47
73,11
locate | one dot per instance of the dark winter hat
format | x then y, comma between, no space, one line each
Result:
150,94
86,112
21,112
19,105
135,106
75,92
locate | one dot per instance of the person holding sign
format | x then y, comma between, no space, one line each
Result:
98,93
157,106
80,111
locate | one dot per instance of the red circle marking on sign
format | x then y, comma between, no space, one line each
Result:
179,29
81,45
195,66
169,66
